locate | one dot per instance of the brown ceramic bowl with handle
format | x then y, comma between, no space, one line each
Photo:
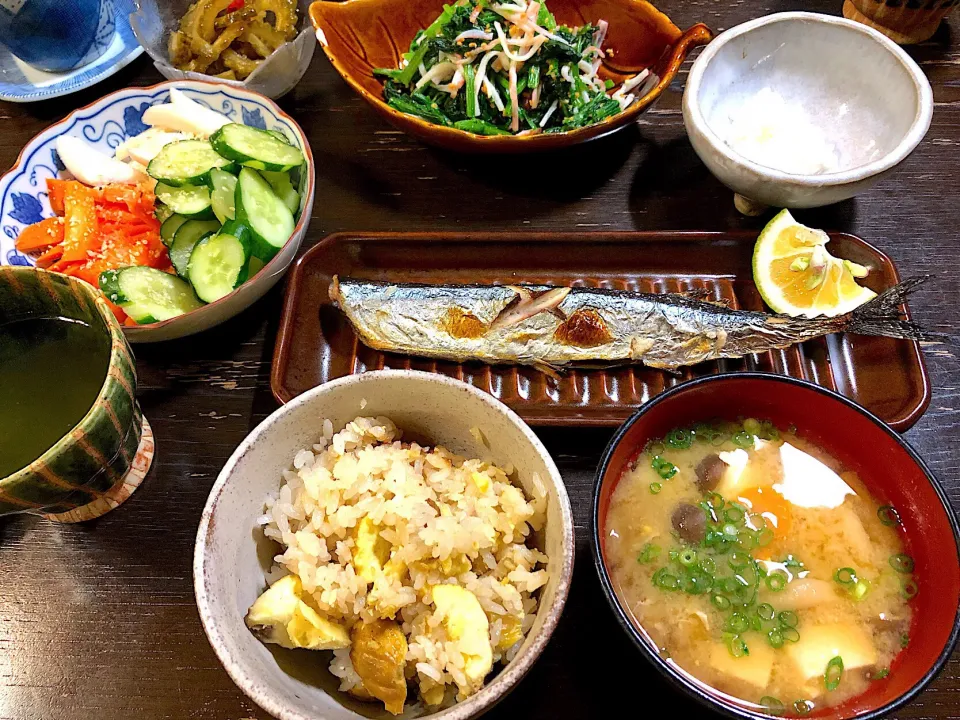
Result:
361,35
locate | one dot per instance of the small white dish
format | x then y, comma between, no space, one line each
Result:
800,110
21,83
231,556
112,120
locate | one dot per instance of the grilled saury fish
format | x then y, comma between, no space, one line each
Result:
555,327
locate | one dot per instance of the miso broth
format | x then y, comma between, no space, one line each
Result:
760,566
51,371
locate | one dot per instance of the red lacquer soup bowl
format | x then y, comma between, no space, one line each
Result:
886,464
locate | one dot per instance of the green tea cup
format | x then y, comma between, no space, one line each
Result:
97,464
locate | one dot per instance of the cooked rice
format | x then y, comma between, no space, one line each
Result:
447,518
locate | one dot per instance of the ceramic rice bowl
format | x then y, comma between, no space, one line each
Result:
232,556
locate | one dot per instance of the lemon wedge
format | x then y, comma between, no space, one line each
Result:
797,276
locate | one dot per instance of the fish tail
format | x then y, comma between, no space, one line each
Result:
883,316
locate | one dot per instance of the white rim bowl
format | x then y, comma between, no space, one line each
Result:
912,138
217,612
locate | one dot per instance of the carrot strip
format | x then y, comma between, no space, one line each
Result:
55,192
41,235
80,216
50,256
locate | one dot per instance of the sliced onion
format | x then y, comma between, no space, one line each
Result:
550,110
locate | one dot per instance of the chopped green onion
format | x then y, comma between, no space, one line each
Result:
791,634
743,439
775,638
791,562
752,426
734,513
720,602
772,706
664,580
739,560
904,640
680,439
654,447
889,516
766,611
902,563
687,557
861,589
765,537
697,583
788,618
769,431
608,84
737,646
738,623
776,581
756,623
833,674
803,707
845,576
649,553
708,565
655,488
909,588
664,468
730,531
880,674
728,585
715,500
748,540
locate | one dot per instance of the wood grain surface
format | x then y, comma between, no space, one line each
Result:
98,620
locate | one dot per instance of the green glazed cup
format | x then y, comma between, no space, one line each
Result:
95,466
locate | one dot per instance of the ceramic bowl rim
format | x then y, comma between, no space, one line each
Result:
508,677
911,138
680,680
117,346
267,270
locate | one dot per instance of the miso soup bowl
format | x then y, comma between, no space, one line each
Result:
232,555
887,465
84,474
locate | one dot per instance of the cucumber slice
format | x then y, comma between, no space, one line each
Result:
259,208
224,191
283,186
170,226
217,266
187,162
148,295
255,148
186,239
280,136
191,201
162,212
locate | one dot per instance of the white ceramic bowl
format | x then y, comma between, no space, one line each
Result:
231,556
109,121
848,83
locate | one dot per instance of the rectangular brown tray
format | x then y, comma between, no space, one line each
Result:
316,342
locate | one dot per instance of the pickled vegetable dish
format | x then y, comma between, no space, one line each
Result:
760,566
501,68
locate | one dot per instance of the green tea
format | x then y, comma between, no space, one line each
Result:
51,371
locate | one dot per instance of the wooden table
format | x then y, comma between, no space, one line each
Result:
98,620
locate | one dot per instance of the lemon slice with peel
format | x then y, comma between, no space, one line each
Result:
797,276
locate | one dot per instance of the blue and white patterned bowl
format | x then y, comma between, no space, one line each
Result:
104,125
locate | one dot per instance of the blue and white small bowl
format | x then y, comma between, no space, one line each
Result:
107,123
